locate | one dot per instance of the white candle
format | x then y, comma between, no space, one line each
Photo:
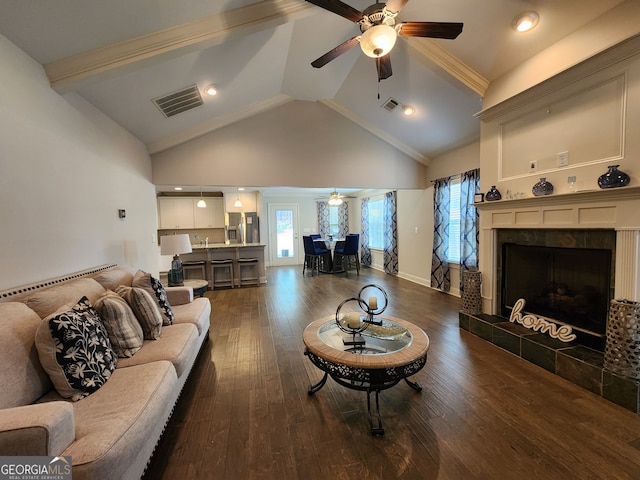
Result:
353,320
373,303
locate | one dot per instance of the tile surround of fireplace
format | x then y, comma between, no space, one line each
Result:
616,211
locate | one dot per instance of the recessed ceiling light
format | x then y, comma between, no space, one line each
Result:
177,188
408,110
525,21
211,90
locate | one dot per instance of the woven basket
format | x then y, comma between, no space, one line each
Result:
622,347
471,296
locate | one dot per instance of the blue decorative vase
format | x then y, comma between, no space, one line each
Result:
493,194
613,178
542,188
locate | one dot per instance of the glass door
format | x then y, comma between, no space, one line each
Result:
283,234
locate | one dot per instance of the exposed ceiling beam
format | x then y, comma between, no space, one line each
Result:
70,73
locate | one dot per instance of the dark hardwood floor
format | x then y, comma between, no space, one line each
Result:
483,413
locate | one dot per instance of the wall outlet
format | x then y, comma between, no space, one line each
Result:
533,166
562,159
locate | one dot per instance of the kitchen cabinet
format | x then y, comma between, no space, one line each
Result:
175,213
211,216
183,213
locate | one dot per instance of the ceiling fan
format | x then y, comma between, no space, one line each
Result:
335,198
379,31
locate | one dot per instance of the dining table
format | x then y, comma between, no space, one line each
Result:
330,244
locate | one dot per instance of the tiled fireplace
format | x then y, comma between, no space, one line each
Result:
525,240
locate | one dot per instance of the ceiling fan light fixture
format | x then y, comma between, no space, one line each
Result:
525,22
335,201
378,40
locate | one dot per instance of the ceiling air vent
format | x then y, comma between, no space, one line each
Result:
390,104
180,101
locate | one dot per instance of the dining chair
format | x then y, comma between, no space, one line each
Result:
311,257
347,252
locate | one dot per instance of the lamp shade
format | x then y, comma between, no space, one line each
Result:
175,244
378,40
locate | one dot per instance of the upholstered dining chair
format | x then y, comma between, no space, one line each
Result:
311,257
347,252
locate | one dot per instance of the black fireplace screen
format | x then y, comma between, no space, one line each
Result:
570,285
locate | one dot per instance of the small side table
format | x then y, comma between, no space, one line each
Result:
199,286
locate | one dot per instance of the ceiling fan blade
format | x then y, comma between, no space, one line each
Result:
394,6
342,9
383,65
336,52
448,30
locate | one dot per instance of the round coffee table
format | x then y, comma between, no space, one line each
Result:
393,351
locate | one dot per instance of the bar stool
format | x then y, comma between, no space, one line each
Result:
227,265
248,263
199,267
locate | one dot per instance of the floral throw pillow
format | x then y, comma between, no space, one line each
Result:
157,291
75,351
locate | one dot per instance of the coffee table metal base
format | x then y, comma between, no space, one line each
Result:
372,381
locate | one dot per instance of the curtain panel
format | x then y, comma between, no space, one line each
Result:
343,220
323,218
469,222
365,252
390,222
440,275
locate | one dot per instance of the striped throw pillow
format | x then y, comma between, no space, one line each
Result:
157,291
145,308
125,333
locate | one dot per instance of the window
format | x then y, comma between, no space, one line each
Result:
334,222
376,224
453,255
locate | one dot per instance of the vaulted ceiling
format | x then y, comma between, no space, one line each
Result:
120,55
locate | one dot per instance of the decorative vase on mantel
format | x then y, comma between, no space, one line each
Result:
613,178
493,194
542,188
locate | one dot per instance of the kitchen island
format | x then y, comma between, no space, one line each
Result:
223,251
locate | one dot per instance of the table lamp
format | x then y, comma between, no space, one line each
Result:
175,245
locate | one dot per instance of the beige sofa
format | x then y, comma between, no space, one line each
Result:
110,434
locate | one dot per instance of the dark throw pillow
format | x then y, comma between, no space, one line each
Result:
74,350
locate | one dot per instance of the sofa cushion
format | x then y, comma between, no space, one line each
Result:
178,344
22,377
125,333
196,312
47,301
145,308
75,351
116,427
114,277
156,290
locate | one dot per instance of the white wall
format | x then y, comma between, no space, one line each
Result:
66,169
275,149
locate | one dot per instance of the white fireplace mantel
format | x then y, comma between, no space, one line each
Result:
615,209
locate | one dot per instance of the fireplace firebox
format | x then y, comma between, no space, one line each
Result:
563,275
